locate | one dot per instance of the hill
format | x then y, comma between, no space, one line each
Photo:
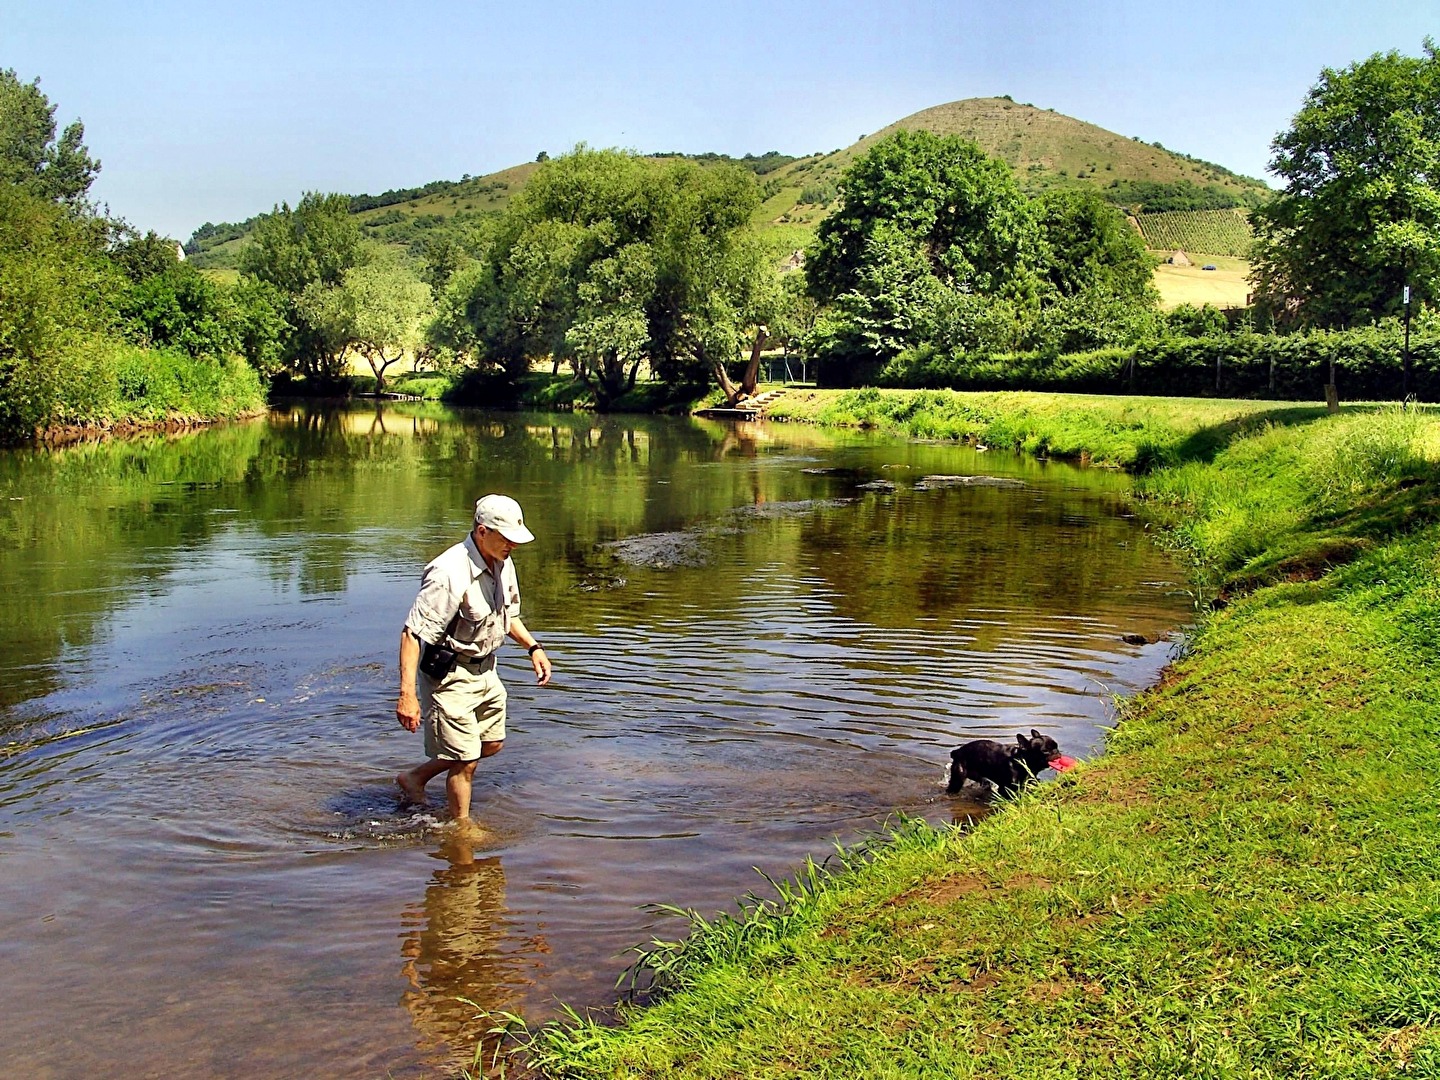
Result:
1046,149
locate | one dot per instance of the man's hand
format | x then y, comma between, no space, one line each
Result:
541,663
407,711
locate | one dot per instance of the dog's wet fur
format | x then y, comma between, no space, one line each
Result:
1008,768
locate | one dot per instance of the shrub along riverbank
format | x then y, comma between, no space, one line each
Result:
114,386
1246,883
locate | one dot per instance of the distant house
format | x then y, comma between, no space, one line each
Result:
180,252
1179,259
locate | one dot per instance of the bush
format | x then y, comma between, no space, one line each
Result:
109,382
1367,365
154,384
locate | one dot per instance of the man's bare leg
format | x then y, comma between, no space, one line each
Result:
412,781
457,788
458,783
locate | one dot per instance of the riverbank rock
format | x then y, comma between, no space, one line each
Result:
660,550
787,509
931,483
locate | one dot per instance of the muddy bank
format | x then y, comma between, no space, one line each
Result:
67,434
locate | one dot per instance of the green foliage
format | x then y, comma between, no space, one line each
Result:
607,259
936,245
1187,320
140,257
388,311
73,285
1091,246
1157,197
210,236
182,309
303,254
31,157
315,242
932,241
261,324
1368,366
942,195
1100,289
1360,213
54,281
132,383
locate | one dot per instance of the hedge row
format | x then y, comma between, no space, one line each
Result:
1367,364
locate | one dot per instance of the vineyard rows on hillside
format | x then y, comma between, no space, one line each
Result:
1204,232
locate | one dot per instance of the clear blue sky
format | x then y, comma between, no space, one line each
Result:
203,111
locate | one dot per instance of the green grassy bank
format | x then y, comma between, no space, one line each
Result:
113,386
1246,884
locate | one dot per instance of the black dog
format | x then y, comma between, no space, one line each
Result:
1007,767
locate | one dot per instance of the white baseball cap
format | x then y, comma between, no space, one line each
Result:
502,513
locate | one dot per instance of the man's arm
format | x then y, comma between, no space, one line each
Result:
407,709
538,660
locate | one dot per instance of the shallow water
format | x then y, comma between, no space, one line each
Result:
759,647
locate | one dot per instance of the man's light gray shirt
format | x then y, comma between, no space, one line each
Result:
459,581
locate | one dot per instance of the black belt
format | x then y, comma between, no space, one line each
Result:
477,663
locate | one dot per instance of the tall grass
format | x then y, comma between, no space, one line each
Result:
112,382
1293,500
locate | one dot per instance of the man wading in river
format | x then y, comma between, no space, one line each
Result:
469,603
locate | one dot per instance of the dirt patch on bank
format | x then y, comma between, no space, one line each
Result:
67,434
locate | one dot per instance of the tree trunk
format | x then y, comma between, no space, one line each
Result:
751,381
380,367
732,392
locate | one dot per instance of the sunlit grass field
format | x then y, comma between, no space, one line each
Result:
1226,286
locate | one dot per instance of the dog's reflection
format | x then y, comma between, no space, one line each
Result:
453,945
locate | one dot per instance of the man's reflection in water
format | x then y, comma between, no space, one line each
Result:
454,949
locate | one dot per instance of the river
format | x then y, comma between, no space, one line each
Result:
765,638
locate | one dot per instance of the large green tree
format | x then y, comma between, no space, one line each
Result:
168,303
961,209
55,286
389,310
303,254
1098,278
1359,216
607,260
31,156
933,241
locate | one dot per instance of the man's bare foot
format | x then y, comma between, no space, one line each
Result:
413,791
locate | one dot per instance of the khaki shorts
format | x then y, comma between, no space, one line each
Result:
465,709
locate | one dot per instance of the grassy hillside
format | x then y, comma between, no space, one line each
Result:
1046,149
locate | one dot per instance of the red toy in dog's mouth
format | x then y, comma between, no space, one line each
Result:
1061,763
